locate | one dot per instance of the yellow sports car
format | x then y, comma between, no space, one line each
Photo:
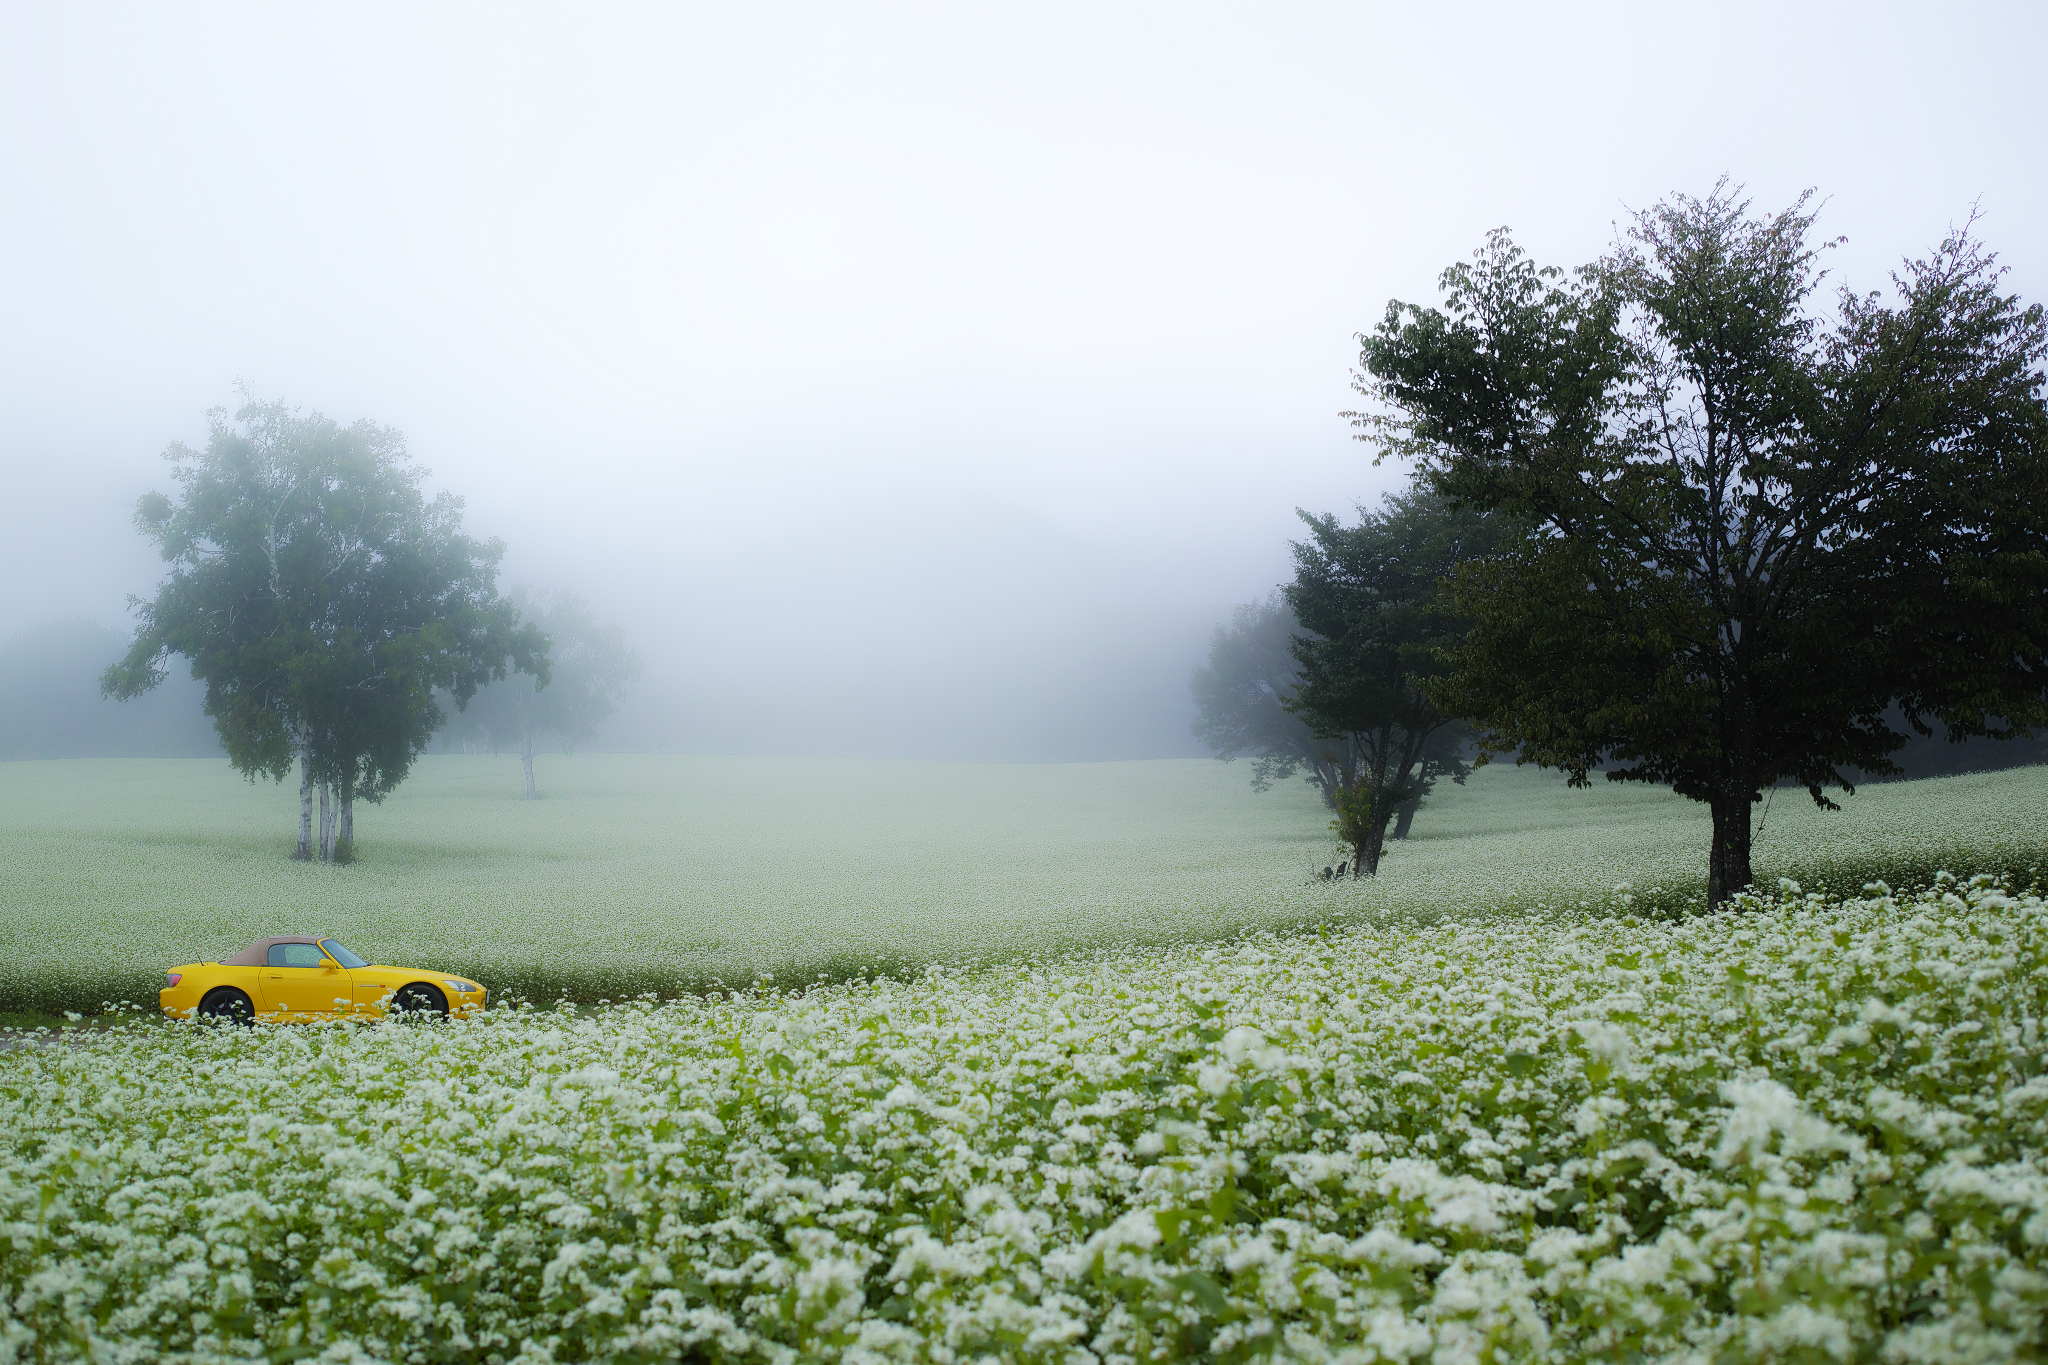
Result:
302,977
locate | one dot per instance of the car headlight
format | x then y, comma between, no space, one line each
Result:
463,986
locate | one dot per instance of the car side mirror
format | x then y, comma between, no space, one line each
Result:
332,965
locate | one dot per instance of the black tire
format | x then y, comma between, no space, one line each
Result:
419,1001
226,1005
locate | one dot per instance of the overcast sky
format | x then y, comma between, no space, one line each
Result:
910,379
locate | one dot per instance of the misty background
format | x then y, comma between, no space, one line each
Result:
916,380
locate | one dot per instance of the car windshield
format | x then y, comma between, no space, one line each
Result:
341,954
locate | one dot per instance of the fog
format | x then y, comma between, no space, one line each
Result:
918,380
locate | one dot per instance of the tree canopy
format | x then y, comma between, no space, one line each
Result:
1751,523
1373,624
321,597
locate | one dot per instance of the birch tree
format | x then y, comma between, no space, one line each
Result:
590,667
320,597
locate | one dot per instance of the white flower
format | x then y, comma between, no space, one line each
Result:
1766,1117
983,1163
1214,1078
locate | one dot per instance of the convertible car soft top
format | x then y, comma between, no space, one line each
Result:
257,954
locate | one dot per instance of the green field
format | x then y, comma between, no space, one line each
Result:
1136,1087
1806,1131
640,873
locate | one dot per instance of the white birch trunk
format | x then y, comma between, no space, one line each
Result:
526,757
305,849
348,824
326,825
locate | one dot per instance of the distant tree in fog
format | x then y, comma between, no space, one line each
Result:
50,703
1373,617
1241,697
591,665
321,598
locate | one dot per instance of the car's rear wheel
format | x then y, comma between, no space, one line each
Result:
419,1001
226,1005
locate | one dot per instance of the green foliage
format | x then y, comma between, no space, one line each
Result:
320,596
1374,625
1751,526
1811,1128
1355,825
682,875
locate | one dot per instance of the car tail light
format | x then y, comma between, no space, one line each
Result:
174,977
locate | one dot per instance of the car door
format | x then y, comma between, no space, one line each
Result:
301,980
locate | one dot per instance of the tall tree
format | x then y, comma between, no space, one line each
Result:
321,597
1369,602
591,666
1753,523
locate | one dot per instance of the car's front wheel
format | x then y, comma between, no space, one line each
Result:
226,1005
419,1001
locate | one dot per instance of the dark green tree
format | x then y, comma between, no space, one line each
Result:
321,597
1368,598
590,666
1753,523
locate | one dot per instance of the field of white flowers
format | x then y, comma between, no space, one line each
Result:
1812,1130
646,873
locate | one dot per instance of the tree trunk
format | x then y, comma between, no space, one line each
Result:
305,850
345,841
1332,776
1728,864
1367,855
1406,818
526,758
326,825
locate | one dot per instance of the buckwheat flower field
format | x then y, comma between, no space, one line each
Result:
642,873
1063,1064
1809,1129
